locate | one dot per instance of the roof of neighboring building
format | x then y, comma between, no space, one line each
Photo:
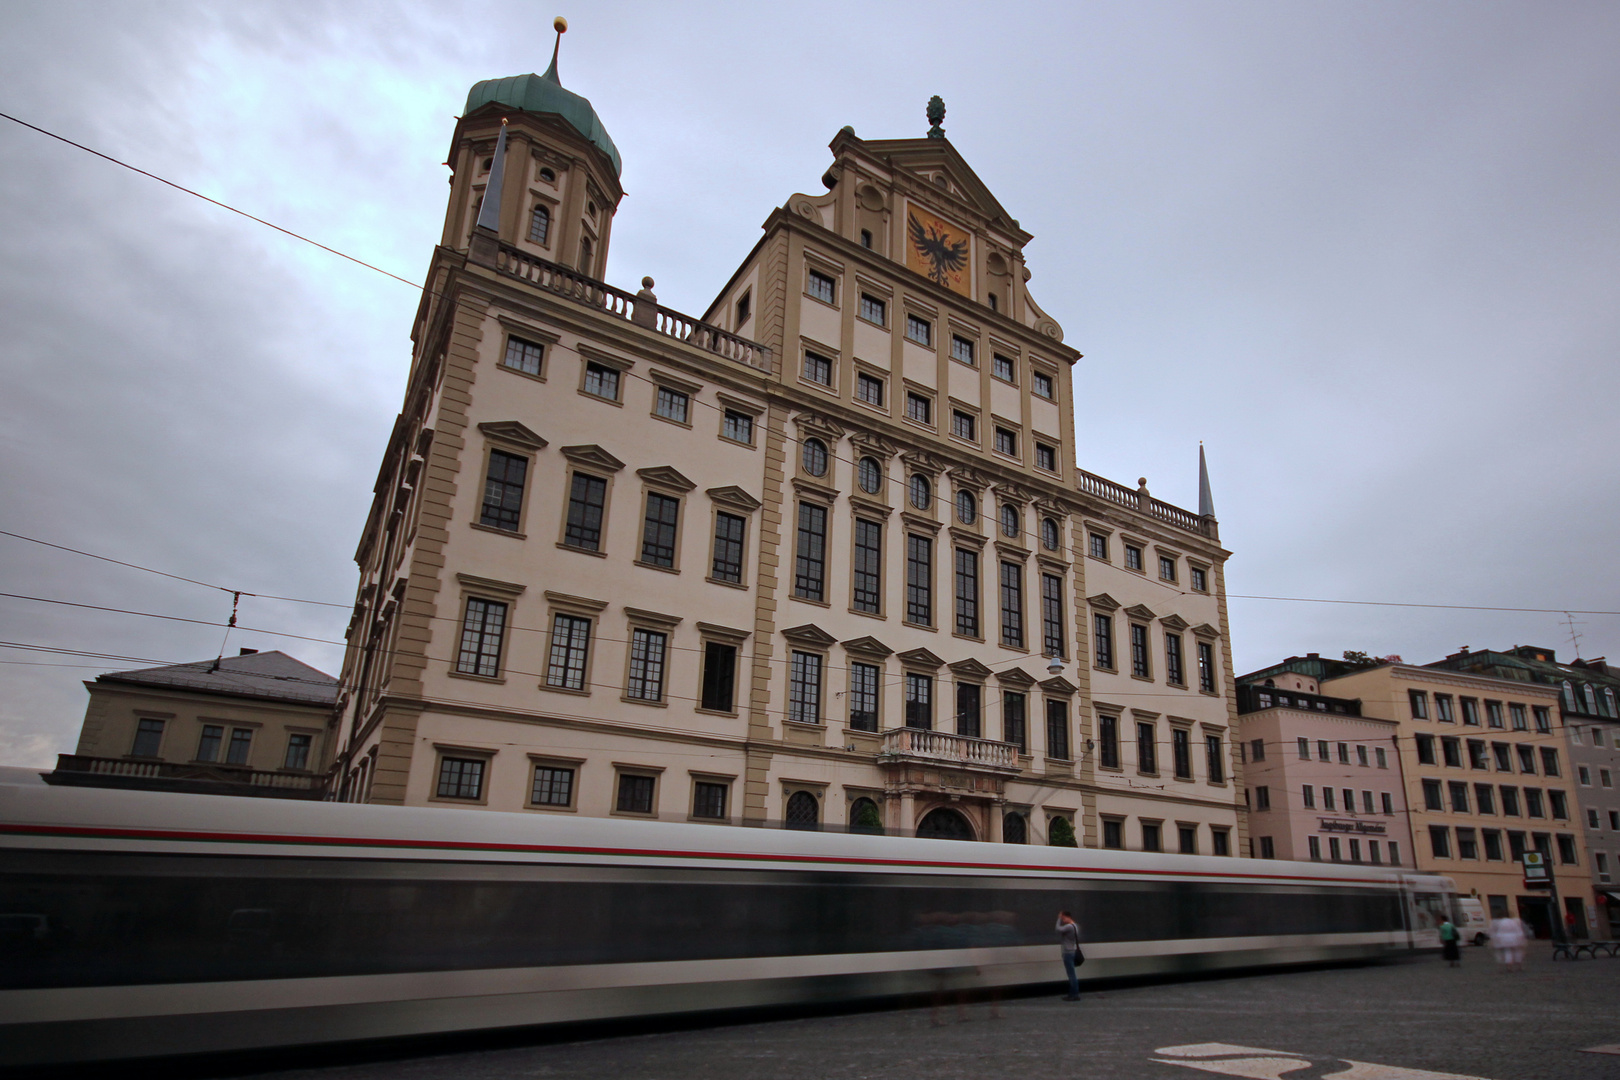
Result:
1537,664
545,94
1312,664
269,676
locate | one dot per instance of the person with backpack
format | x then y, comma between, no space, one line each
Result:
1068,932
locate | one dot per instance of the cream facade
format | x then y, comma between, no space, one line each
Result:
821,557
1487,778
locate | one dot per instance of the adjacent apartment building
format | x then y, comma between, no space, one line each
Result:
1323,781
821,557
1486,778
1589,708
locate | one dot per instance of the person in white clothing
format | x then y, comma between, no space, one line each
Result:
1507,938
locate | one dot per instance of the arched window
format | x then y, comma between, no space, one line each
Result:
1014,829
865,817
540,224
802,811
922,492
1009,521
1049,534
1569,697
548,176
1608,697
815,457
944,824
585,256
1589,697
967,507
871,477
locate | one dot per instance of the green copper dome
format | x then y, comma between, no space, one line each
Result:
545,94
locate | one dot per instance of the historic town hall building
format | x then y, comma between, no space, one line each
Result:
821,557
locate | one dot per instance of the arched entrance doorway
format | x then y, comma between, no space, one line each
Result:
943,824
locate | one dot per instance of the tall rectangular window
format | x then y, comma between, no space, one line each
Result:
1549,761
1470,715
868,576
1206,667
1493,714
1517,712
967,592
804,687
570,648
1440,841
1103,633
483,626
821,286
863,696
1173,672
961,349
1307,796
1151,834
602,381
460,778
1418,700
1510,801
969,709
297,752
658,533
919,580
708,800
635,794
1057,730
647,651
503,491
236,752
1442,709
1262,798
1053,639
869,388
540,225
719,676
1139,651
213,736
1432,795
586,498
919,700
810,564
1013,723
920,409
1147,755
1304,749
817,369
1214,759
1107,741
1459,796
874,309
1181,752
1543,719
1012,605
729,530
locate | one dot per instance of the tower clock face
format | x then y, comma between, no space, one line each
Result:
938,250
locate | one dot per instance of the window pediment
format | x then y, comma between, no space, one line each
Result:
592,456
666,476
1174,622
1059,685
655,618
1015,677
869,647
809,634
971,667
732,495
1204,630
968,479
875,445
1103,602
1140,611
817,424
921,658
919,461
510,431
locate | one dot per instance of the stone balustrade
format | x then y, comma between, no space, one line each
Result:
961,751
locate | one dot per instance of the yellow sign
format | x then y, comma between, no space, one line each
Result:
938,250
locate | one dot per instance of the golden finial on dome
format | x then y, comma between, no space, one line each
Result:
560,25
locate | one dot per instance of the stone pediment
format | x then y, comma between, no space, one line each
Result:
1059,685
1014,494
962,477
809,634
875,445
1103,602
920,461
971,667
817,424
868,646
1015,677
1173,622
732,495
921,658
510,431
935,175
666,476
592,456
1204,630
1140,611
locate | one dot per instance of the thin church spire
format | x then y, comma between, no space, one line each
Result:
1206,501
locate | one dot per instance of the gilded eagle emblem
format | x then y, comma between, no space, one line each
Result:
945,257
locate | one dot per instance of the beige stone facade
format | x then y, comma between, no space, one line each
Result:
803,560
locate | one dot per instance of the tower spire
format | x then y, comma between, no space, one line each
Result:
489,214
560,25
1206,501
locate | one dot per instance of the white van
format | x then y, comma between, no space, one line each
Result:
1472,925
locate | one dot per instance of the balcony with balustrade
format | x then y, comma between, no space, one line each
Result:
920,746
194,777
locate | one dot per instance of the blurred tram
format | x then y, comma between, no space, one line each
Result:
140,923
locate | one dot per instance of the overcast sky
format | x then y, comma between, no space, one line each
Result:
1368,253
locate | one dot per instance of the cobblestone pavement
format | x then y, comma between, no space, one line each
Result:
1412,1019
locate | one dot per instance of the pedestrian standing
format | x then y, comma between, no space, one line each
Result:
1507,938
1448,943
1068,932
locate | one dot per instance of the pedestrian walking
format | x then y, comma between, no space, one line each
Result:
1068,932
1507,938
1448,943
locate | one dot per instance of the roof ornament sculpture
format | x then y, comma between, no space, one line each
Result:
560,25
936,117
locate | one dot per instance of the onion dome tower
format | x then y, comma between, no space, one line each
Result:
554,187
